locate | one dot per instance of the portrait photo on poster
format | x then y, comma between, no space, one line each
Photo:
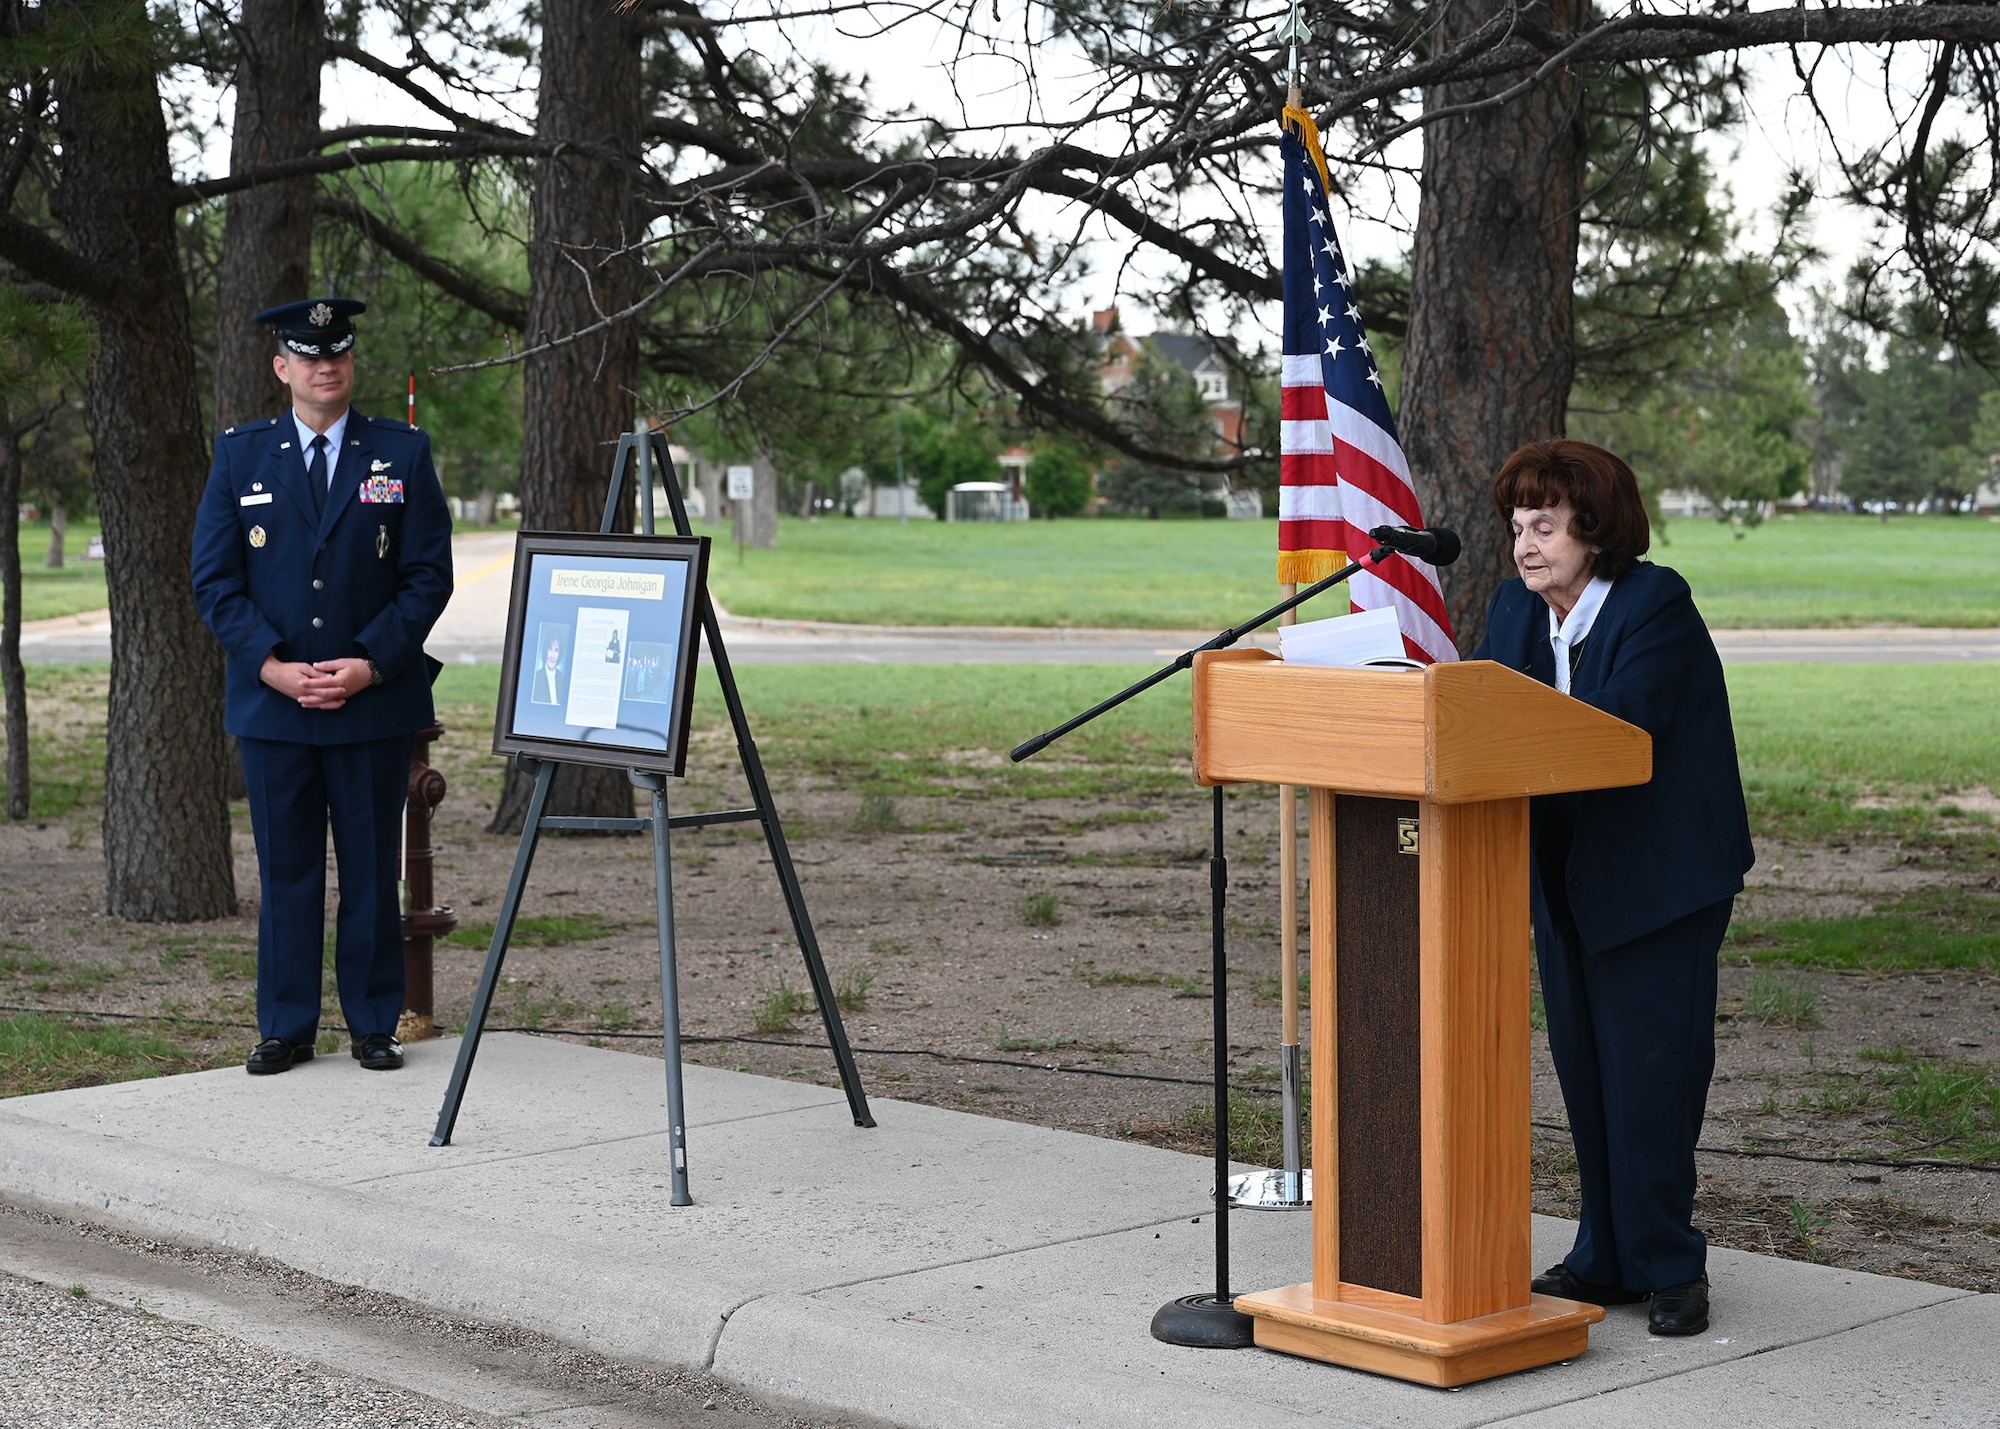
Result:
600,657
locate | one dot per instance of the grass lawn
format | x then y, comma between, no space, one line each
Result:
78,586
1175,574
1803,570
1814,569
42,1053
1830,753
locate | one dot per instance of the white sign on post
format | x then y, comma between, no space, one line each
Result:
742,483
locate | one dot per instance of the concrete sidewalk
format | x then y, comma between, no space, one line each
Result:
942,1269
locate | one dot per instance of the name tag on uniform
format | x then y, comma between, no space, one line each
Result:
379,489
263,500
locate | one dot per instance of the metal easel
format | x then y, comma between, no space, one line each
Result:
651,454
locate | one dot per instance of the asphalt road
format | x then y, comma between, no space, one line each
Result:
474,626
100,1329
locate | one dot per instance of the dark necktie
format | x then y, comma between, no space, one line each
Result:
316,475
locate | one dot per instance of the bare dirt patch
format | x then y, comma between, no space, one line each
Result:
1046,960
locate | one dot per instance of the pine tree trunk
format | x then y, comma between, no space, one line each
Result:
1491,347
11,673
166,822
266,232
577,398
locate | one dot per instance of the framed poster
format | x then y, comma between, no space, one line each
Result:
600,656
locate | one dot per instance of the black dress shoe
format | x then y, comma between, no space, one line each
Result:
1559,1280
379,1052
1680,1309
275,1054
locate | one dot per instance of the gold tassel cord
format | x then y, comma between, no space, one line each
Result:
1305,567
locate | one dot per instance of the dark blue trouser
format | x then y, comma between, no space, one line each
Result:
296,791
1632,1031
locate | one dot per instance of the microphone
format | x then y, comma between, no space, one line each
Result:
1438,545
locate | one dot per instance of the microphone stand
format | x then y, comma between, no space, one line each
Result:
1185,660
1208,1321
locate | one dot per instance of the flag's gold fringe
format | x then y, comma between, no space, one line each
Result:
1301,123
1305,567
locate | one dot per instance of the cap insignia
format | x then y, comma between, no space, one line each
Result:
320,315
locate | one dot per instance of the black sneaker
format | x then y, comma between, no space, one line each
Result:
275,1054
378,1052
1559,1280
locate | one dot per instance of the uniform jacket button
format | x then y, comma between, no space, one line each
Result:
318,623
1573,883
319,585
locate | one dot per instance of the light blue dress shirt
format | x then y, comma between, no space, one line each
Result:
334,434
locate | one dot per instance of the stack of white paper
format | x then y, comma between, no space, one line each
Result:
1344,640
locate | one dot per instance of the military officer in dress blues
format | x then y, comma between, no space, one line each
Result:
322,557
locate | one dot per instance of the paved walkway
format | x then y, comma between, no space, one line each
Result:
941,1270
474,626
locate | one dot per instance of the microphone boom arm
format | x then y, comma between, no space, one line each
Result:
1185,660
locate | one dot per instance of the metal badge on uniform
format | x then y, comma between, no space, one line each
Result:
257,536
381,543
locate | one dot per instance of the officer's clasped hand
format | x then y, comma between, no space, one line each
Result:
325,686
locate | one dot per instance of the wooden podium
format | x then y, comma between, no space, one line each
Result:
1419,916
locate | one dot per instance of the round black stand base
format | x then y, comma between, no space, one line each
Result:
1203,1322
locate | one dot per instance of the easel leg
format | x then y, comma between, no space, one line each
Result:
670,988
655,455
496,955
788,878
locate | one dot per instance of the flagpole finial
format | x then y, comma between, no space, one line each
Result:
1294,32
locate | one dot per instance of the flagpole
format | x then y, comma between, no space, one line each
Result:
1296,1192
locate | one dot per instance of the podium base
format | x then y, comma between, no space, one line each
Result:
1271,1191
1387,1334
1202,1322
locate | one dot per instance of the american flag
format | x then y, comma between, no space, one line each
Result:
1341,468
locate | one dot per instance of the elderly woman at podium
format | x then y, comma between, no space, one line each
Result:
1632,888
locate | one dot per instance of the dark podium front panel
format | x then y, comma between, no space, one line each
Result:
1377,993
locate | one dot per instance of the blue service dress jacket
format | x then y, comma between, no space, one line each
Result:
368,578
1644,856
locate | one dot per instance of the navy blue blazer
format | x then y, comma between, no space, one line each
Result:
1643,856
369,578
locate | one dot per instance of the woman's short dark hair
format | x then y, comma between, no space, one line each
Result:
1599,488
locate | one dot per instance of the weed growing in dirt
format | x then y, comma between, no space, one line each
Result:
1041,910
1780,1002
612,1016
545,930
327,1044
877,813
1928,928
531,1009
1807,1223
851,993
1193,985
1256,1129
39,1053
32,965
1004,1041
1951,1104
782,1006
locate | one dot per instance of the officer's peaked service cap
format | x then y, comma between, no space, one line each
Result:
317,327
